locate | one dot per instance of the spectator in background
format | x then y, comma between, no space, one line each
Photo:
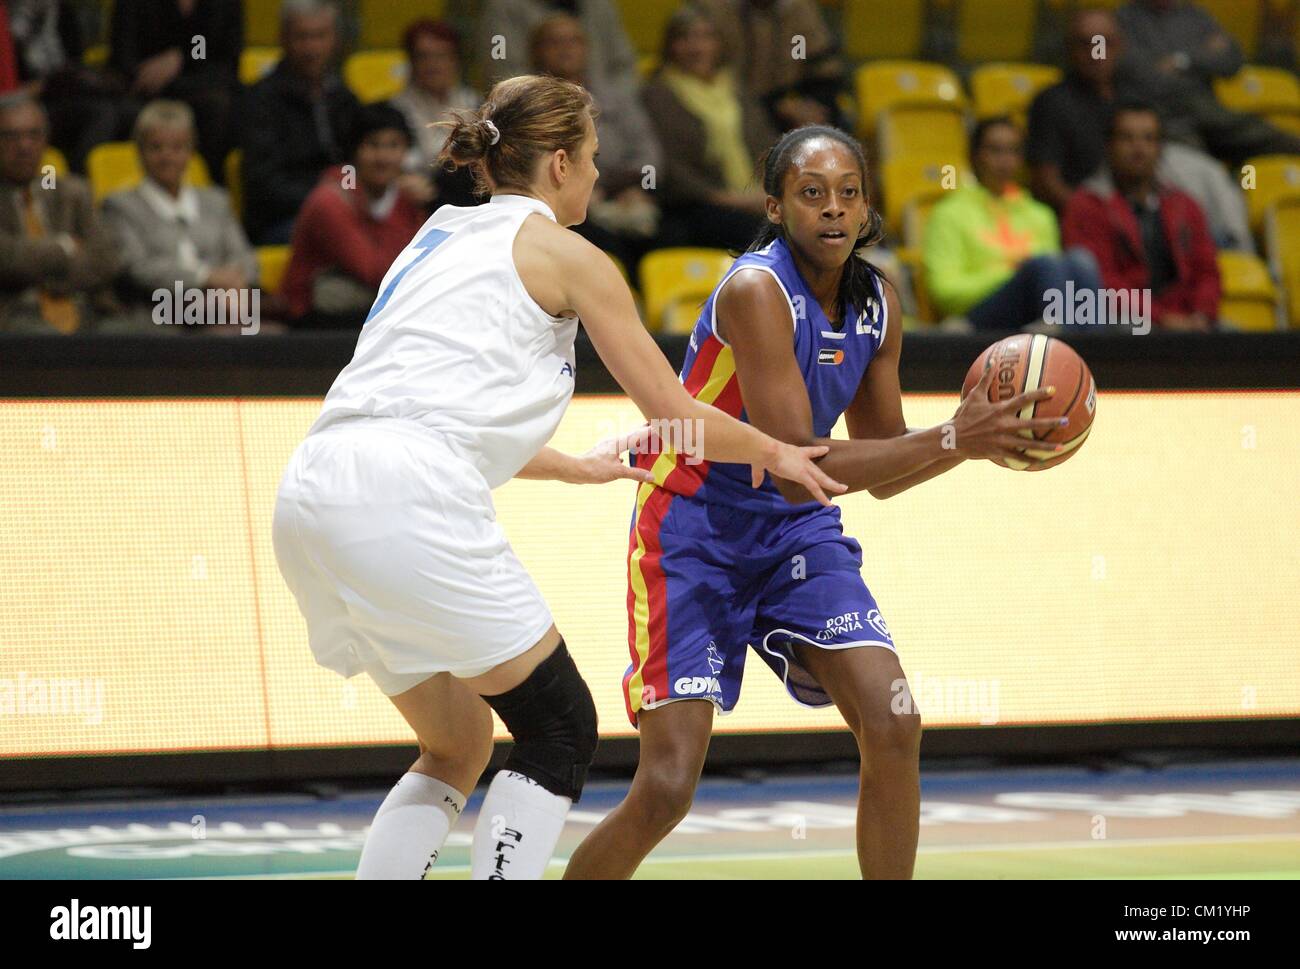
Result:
1174,51
622,217
1067,134
713,136
295,120
8,55
85,106
169,232
352,227
504,26
183,50
56,262
435,88
759,43
1146,235
991,252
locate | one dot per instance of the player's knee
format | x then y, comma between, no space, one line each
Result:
888,735
458,759
665,794
465,754
552,718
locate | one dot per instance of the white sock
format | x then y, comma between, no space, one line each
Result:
409,828
518,825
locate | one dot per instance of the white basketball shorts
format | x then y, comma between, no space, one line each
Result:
389,542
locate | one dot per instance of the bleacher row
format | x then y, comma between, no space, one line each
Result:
913,115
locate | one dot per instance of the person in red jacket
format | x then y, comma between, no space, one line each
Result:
1146,235
353,225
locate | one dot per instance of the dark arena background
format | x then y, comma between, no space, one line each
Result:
1106,655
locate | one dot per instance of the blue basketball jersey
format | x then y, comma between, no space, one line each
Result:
832,362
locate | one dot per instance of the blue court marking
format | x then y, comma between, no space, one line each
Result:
431,241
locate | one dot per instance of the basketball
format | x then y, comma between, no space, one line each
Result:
1026,362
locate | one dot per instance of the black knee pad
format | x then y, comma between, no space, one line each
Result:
552,719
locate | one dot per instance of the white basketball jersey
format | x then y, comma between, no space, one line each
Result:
455,343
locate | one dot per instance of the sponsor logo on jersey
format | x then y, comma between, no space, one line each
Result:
839,625
830,356
714,658
877,622
694,685
566,369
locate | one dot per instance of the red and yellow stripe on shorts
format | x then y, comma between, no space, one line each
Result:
712,380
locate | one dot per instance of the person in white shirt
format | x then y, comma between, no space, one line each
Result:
384,528
169,231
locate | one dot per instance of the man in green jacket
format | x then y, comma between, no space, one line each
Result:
992,253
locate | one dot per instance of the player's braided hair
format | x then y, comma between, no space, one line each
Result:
522,119
858,283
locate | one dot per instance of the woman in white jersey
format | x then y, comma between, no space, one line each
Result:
384,526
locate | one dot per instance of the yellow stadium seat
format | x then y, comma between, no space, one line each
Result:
1283,233
234,168
384,21
1260,90
645,20
1249,297
261,23
936,134
886,84
1008,89
883,29
376,75
1268,180
1240,18
995,30
115,165
272,261
674,282
909,179
257,62
1287,122
55,159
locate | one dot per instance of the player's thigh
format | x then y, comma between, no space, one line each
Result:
869,687
674,743
451,721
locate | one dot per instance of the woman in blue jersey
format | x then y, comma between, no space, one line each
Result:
801,332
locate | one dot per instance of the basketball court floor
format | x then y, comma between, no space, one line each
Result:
1210,819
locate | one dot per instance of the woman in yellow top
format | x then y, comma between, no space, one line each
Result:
992,252
711,135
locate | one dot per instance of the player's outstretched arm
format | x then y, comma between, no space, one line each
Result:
564,272
602,464
883,457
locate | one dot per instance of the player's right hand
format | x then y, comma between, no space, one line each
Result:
796,464
984,429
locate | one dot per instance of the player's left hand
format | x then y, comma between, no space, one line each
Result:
604,462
